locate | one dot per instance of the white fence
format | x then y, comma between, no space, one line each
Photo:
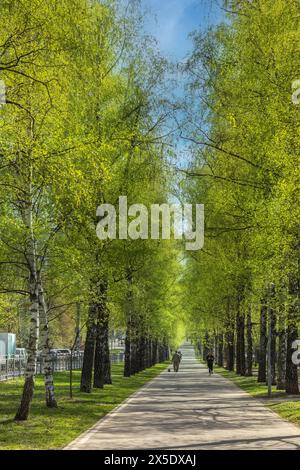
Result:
14,366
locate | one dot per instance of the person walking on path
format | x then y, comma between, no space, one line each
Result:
210,362
176,361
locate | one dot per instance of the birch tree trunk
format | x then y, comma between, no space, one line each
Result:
230,350
220,350
127,358
154,352
160,352
206,346
141,353
249,345
89,351
107,364
47,360
199,347
99,352
291,376
272,319
215,347
128,366
281,357
102,370
262,364
150,352
281,363
147,352
240,344
30,371
229,338
133,349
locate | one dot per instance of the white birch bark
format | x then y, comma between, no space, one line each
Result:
30,371
46,357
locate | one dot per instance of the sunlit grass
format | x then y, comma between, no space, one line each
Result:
54,428
289,410
249,384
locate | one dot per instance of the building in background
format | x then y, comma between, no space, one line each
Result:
7,344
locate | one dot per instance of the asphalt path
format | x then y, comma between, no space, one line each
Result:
190,410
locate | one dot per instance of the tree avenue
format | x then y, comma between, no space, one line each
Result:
89,118
245,169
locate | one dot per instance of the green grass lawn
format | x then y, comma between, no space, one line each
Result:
54,428
289,410
249,384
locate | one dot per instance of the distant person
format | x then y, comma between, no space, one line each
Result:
176,361
210,362
180,354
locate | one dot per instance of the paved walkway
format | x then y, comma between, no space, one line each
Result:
190,411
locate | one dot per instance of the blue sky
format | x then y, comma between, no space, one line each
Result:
171,21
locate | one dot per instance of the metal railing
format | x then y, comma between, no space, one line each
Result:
11,367
14,366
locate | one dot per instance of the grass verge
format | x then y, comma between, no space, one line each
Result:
249,384
55,428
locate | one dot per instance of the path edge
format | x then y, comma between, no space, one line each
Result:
110,414
259,400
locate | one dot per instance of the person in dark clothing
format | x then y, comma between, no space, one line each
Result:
210,362
176,361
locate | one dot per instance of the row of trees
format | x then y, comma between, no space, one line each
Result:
245,168
83,124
